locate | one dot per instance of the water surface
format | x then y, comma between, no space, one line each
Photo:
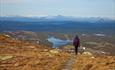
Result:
58,42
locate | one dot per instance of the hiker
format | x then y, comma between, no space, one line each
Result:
76,44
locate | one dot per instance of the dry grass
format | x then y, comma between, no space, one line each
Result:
29,56
87,62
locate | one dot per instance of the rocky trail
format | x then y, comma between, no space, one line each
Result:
69,63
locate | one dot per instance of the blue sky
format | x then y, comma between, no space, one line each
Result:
77,8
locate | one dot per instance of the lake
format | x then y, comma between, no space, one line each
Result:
57,42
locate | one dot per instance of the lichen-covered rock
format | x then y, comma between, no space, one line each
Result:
87,53
6,57
54,51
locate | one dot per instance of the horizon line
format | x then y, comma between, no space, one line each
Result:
57,15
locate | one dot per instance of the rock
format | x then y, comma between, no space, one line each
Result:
84,48
16,64
32,47
87,53
45,50
103,52
54,51
7,35
37,42
92,57
6,57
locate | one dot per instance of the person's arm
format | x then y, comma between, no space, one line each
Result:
74,42
78,42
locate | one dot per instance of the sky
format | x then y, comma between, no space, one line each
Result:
77,8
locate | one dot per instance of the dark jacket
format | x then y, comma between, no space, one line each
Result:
76,41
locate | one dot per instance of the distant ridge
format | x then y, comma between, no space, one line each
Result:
55,18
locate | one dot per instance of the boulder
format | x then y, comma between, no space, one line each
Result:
54,51
87,53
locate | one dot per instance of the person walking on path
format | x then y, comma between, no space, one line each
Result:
76,44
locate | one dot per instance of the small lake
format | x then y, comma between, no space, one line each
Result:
57,42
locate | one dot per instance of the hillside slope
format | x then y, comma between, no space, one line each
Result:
89,62
23,55
16,55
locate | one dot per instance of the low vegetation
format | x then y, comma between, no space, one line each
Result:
24,55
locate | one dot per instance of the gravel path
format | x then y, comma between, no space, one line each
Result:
69,63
